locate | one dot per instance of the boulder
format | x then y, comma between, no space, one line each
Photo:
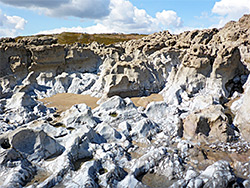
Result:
242,119
84,177
108,132
33,145
16,171
77,116
145,128
210,122
219,174
165,116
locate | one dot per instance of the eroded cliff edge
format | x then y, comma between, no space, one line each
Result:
202,75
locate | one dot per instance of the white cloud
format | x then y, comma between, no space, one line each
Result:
126,18
63,8
169,18
98,28
17,22
10,25
230,10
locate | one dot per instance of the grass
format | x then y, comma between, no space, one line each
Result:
84,38
113,114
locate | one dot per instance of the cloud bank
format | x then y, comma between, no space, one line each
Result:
124,17
230,10
63,8
10,25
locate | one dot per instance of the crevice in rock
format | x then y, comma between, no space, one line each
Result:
5,144
49,119
58,124
115,175
56,115
236,84
60,136
28,59
194,34
78,163
203,126
180,130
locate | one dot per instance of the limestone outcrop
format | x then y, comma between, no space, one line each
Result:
211,122
195,136
242,119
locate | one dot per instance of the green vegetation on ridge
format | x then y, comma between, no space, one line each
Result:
71,38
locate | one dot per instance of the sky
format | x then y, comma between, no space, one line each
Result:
30,17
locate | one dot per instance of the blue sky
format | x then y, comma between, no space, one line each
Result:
29,17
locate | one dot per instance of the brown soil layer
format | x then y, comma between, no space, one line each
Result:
64,101
144,101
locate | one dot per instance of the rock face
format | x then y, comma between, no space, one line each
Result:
242,119
196,137
211,122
